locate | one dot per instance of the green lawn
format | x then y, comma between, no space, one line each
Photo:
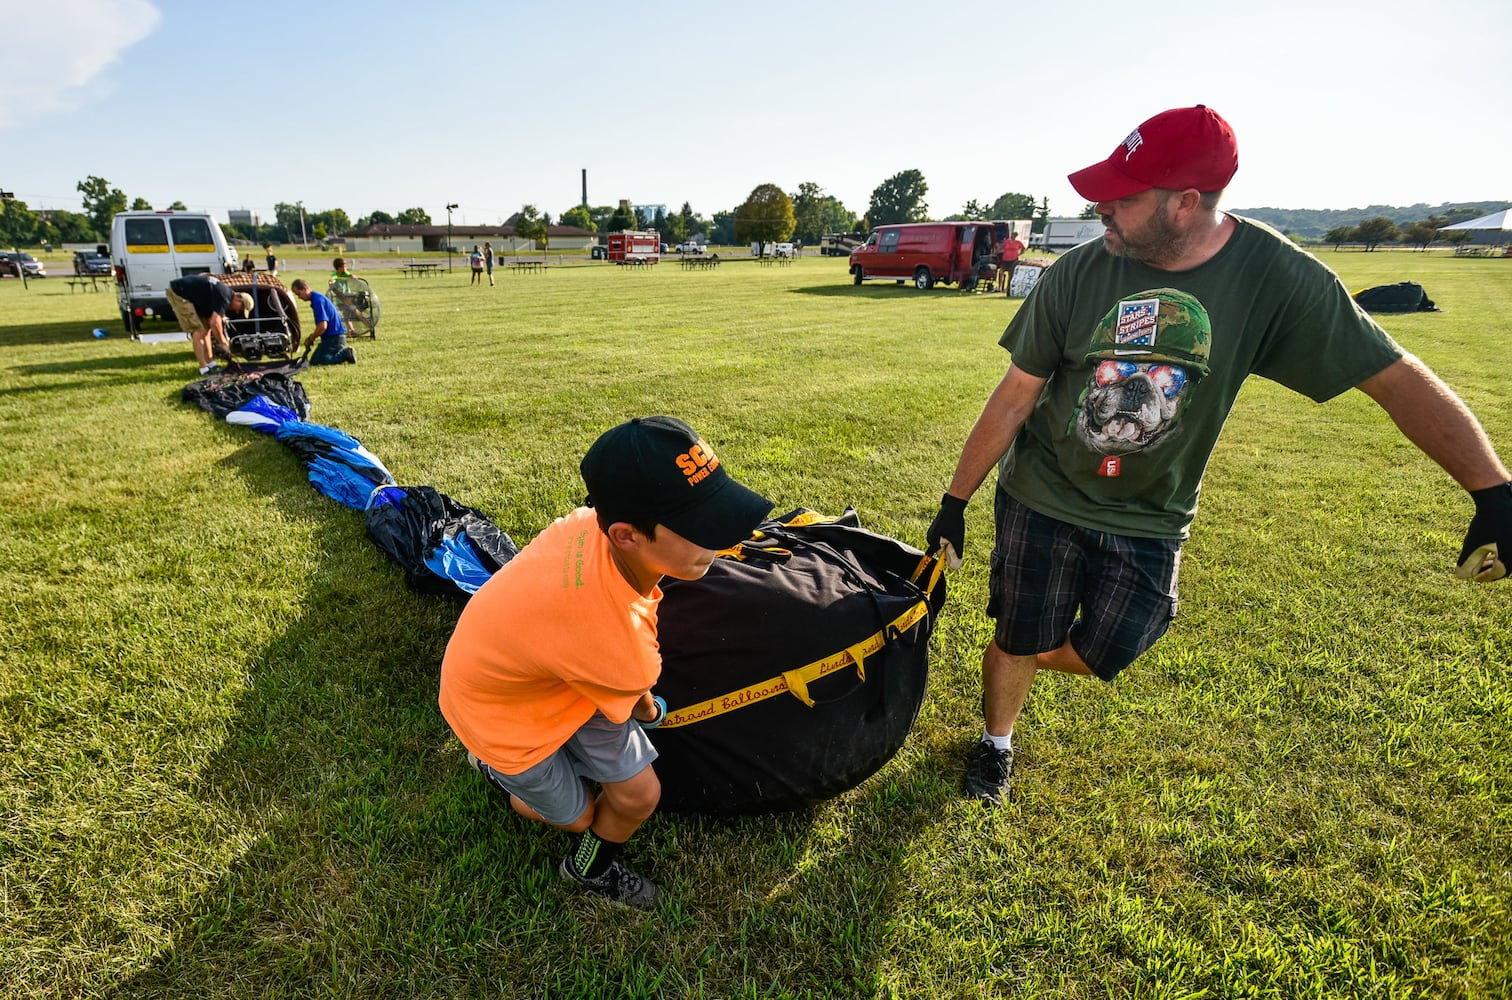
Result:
223,774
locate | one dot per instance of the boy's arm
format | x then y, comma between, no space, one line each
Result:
646,709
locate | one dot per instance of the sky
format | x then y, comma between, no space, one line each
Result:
494,105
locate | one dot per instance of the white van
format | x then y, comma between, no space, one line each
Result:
150,249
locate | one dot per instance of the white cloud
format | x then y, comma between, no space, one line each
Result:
54,49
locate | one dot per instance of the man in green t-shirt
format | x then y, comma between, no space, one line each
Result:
1126,358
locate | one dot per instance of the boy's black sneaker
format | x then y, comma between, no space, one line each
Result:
618,884
987,772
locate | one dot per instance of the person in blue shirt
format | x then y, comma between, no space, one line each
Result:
329,331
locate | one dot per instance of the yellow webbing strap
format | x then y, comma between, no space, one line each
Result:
934,573
797,680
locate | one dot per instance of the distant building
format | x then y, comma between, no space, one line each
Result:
648,212
243,217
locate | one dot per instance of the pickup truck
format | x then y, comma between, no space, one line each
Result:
690,247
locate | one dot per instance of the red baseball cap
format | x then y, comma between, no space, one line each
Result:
1177,149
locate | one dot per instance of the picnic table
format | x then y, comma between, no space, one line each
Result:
700,263
522,266
421,268
87,282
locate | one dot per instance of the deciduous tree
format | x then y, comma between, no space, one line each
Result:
900,198
816,213
1374,232
178,206
18,224
622,219
1338,236
72,227
579,216
140,204
765,217
528,224
722,228
290,219
101,202
1419,235
1012,205
414,217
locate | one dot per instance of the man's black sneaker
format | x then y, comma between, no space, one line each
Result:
987,772
618,884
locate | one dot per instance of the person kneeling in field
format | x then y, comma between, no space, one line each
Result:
329,330
547,679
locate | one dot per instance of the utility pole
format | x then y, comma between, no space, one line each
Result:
303,240
20,267
448,235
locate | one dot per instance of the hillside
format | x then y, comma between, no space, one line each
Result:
1314,222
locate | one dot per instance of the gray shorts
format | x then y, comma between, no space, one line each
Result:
600,751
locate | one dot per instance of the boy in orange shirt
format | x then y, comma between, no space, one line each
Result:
547,678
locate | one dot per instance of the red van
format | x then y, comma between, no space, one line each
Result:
925,252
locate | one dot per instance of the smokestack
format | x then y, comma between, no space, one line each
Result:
585,187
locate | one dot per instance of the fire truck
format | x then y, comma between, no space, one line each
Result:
631,247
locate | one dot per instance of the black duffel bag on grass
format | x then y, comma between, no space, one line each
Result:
794,668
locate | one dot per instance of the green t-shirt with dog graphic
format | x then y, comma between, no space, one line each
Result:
1144,365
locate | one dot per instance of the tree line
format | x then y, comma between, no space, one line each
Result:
1316,223
805,214
1381,229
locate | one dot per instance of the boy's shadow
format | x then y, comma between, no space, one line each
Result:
368,854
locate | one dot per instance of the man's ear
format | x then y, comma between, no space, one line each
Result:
622,535
1187,202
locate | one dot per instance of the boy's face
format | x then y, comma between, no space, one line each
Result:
673,555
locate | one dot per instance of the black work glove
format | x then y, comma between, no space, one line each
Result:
1487,552
949,527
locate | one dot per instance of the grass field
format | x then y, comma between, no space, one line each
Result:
223,773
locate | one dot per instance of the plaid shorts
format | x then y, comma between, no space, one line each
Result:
1112,595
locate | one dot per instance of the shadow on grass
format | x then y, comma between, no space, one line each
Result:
372,862
886,292
68,332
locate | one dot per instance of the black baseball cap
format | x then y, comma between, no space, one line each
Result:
658,470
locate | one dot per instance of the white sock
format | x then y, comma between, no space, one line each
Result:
1001,742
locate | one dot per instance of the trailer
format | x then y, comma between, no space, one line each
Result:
839,244
630,247
1063,234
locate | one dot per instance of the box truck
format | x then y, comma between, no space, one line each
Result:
628,246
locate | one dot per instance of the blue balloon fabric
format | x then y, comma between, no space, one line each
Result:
455,560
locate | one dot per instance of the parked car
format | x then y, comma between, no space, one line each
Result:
13,261
87,262
690,247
